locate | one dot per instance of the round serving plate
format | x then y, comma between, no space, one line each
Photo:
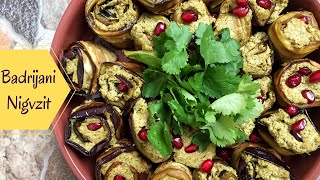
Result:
73,27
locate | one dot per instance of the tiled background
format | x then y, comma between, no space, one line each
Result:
30,24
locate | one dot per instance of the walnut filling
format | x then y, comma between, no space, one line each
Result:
216,172
267,92
280,6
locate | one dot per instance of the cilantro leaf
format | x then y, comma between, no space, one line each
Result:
196,81
248,86
155,82
145,57
230,104
202,140
180,35
173,61
252,110
158,111
160,137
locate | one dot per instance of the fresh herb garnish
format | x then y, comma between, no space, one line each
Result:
201,89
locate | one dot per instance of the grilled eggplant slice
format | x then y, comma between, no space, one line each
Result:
171,170
289,135
92,127
118,84
298,84
160,6
82,61
295,35
220,170
122,161
112,20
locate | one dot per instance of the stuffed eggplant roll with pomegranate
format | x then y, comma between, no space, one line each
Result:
171,170
289,135
139,125
267,96
262,10
148,27
82,61
160,6
219,171
122,162
295,35
112,20
92,127
118,84
298,84
192,13
258,55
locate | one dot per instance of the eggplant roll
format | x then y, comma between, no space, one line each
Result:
258,55
112,20
147,27
289,135
82,61
92,127
261,11
298,84
160,6
280,5
255,162
171,170
138,121
219,171
267,96
295,35
197,9
189,154
240,28
247,127
122,162
118,84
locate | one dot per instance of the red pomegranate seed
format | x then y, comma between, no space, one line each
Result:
260,99
122,87
294,80
242,3
94,126
315,77
266,4
160,28
305,71
143,134
224,155
304,19
214,15
291,110
299,125
189,16
206,166
119,177
191,148
254,138
240,11
177,142
308,94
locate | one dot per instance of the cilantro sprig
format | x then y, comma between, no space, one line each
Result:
201,89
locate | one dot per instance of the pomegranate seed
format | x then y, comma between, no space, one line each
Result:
266,4
214,15
160,28
294,80
122,87
119,177
177,142
206,166
308,94
260,99
315,77
299,125
143,134
191,148
224,155
242,3
189,16
240,11
304,19
94,126
296,135
292,110
305,71
254,138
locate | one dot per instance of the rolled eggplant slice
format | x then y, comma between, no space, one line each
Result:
219,171
279,7
267,96
295,35
112,20
199,11
160,6
146,29
284,132
92,127
258,55
298,84
122,161
118,84
140,120
171,170
262,14
82,61
189,154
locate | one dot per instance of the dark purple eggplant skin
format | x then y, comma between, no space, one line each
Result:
242,170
